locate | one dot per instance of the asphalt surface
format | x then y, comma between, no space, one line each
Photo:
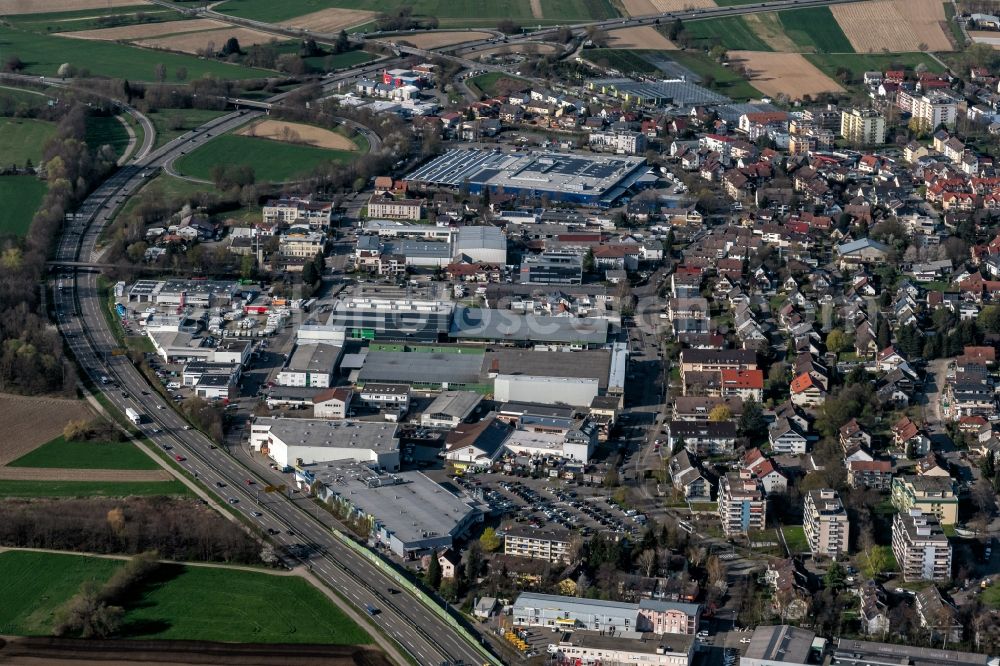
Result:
403,617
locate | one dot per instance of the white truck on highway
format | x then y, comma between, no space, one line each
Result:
133,416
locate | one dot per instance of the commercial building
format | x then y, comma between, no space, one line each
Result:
742,503
849,652
385,396
551,544
182,293
598,647
825,523
621,142
450,408
299,244
921,548
332,403
407,512
482,244
507,327
676,91
310,365
295,210
582,179
477,445
659,617
863,126
552,267
425,369
779,645
576,391
933,495
310,441
553,438
217,387
393,319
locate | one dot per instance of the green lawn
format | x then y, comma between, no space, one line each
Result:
210,604
29,97
180,603
273,161
991,596
815,28
731,32
338,61
727,82
21,197
107,130
86,455
88,19
488,83
91,488
452,13
43,54
171,123
22,139
859,63
795,538
33,585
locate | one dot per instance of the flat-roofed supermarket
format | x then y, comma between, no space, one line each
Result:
589,179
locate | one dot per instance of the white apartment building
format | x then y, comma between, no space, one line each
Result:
921,548
742,504
863,126
825,523
393,209
623,143
549,545
305,245
296,210
934,109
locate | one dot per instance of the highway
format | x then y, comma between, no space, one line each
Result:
418,629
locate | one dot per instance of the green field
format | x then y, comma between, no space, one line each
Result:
184,119
727,82
338,61
859,63
815,29
730,3
33,585
22,139
625,61
43,54
210,604
87,19
107,130
487,83
273,161
452,13
90,488
86,455
180,603
21,197
795,539
731,32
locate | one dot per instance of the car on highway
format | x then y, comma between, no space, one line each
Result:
220,484
180,458
249,482
233,500
167,447
256,514
272,531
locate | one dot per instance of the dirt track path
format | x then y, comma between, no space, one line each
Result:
60,474
536,9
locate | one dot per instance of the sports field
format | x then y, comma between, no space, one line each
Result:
21,197
180,602
86,455
455,13
273,161
815,29
43,54
22,139
107,130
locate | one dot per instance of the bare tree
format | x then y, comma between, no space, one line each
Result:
647,561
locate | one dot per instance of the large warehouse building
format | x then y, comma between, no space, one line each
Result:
310,441
389,319
583,179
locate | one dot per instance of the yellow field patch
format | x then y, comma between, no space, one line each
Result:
146,30
331,20
783,74
279,130
43,6
433,40
193,42
893,25
768,27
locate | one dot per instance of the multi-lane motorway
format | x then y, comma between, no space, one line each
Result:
407,620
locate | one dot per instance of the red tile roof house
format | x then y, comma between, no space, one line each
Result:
743,383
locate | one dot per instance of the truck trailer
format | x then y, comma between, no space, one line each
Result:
133,416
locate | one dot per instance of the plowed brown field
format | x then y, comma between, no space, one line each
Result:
894,25
784,73
27,423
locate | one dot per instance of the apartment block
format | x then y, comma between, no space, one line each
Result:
920,546
933,495
825,523
742,504
395,209
862,126
549,545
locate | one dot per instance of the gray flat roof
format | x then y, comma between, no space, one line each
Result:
568,173
373,435
494,324
456,404
635,642
408,504
780,642
480,237
863,653
313,357
422,367
588,364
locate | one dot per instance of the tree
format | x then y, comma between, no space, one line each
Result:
676,28
647,562
433,574
160,72
835,577
874,561
489,540
588,261
720,413
66,71
718,52
752,419
884,336
989,318
836,341
508,27
232,47
181,74
309,275
248,267
13,63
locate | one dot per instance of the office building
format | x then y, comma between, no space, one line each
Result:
393,319
599,647
310,441
652,615
825,523
310,365
742,504
921,548
552,268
